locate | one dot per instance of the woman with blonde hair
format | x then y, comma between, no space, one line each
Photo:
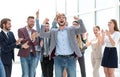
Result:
96,54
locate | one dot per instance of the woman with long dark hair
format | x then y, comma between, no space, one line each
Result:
110,58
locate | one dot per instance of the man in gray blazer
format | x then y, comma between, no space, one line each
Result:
63,45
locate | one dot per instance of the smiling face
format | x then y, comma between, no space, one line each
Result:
47,27
7,26
30,22
61,19
96,30
111,25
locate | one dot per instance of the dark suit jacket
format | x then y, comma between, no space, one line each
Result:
44,47
23,33
7,47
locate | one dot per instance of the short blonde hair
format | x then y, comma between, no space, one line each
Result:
59,15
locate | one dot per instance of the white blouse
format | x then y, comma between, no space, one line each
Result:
115,36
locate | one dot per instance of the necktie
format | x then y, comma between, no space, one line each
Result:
46,48
8,35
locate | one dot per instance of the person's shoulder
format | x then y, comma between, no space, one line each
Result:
71,27
22,28
54,29
10,32
117,32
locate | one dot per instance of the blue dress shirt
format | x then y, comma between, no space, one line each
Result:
63,45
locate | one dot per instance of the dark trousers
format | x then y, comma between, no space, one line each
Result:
81,61
47,67
8,70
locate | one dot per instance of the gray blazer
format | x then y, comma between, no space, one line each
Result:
72,31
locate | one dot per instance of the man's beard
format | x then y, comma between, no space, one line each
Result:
30,26
7,28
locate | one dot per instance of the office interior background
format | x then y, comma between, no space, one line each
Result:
93,12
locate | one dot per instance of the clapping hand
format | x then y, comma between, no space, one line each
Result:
103,33
18,41
85,36
34,35
25,45
107,32
41,43
88,43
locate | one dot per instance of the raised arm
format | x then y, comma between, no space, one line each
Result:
103,37
81,28
37,22
54,24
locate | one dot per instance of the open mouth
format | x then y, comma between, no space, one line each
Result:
61,21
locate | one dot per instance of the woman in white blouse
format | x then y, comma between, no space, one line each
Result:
110,38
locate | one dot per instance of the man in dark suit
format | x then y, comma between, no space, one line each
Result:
28,56
8,43
2,70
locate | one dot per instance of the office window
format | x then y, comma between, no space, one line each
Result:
70,19
71,7
88,20
85,5
60,6
103,16
105,3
